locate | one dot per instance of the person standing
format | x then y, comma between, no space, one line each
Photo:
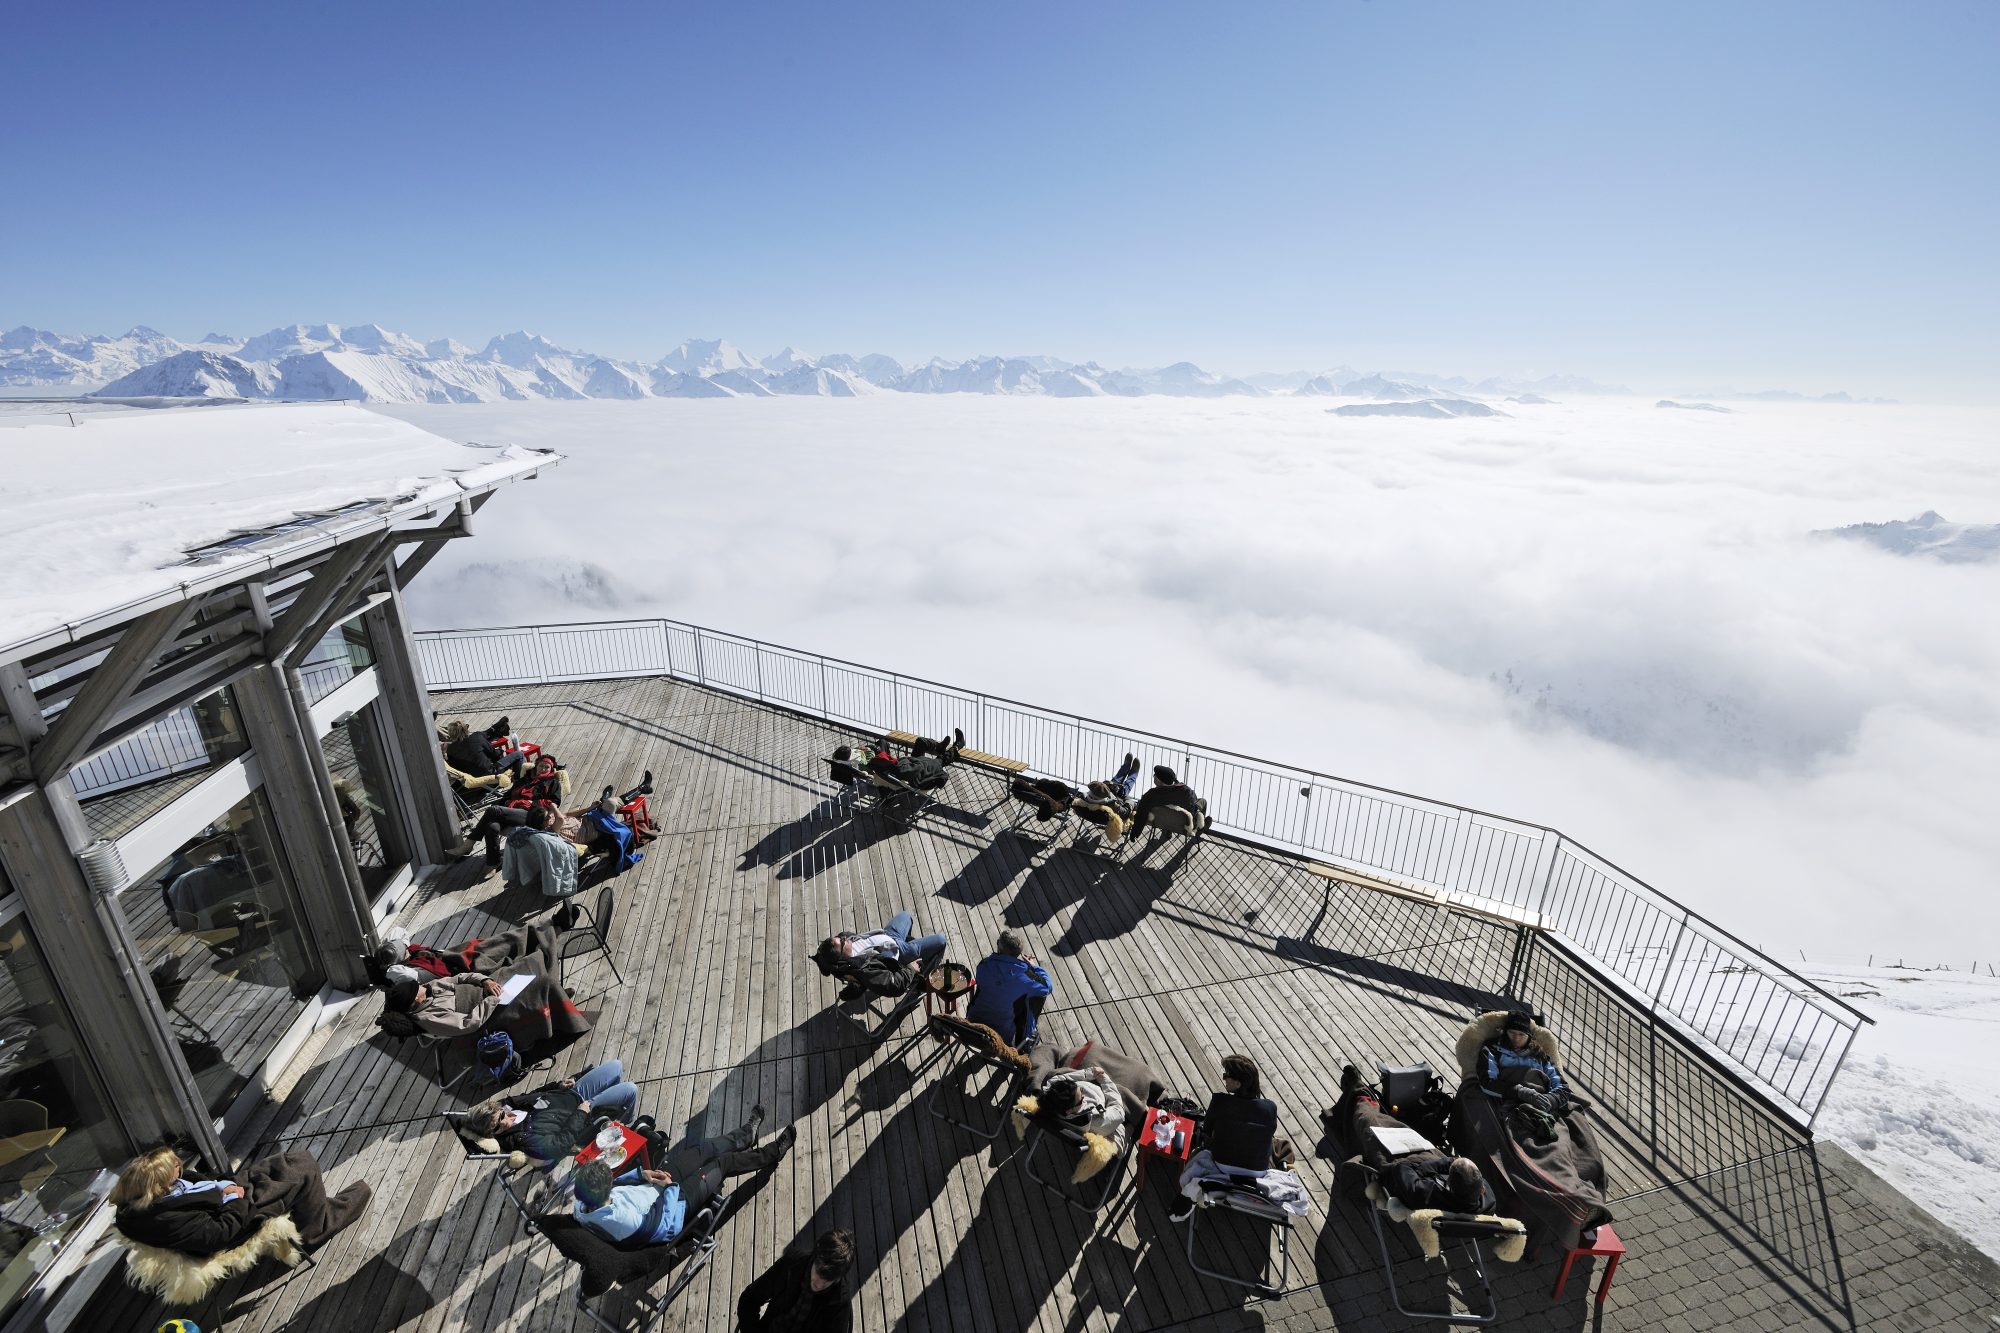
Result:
805,1291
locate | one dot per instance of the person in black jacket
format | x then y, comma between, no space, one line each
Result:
554,1121
805,1291
1240,1124
1425,1178
482,753
160,1204
1167,789
885,961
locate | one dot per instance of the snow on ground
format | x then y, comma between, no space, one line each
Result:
99,513
1919,1098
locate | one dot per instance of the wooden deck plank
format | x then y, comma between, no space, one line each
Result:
1177,954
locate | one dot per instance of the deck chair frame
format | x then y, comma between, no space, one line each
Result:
962,1060
698,1240
1090,1202
1448,1228
596,937
455,1120
1238,1198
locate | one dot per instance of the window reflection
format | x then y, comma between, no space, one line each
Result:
343,653
357,758
58,1145
224,946
121,787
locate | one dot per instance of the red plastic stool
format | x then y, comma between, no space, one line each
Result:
1607,1246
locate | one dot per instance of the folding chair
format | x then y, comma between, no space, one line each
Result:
501,1170
1084,1199
604,1262
596,938
1448,1226
1180,820
974,1047
1243,1197
1032,799
471,794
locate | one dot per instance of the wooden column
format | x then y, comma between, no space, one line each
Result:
413,730
315,846
93,959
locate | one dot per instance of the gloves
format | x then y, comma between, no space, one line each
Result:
1541,1101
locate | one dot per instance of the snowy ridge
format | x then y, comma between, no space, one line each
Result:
367,362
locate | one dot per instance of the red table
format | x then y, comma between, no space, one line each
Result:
635,1146
1149,1144
1608,1247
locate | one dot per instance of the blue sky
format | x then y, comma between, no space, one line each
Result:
1763,194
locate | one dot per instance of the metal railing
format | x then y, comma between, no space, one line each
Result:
1764,1023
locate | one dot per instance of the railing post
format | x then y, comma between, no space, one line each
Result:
825,704
1542,898
667,636
541,654
700,668
1813,1119
757,656
895,702
1653,1041
1305,807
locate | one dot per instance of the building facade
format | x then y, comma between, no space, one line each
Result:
212,796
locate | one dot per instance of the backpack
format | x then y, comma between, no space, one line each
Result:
498,1059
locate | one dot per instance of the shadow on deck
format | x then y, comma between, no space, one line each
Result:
1181,956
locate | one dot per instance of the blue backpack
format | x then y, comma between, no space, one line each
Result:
498,1058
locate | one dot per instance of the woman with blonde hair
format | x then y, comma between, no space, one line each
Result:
159,1203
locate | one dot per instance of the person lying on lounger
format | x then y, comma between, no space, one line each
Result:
884,961
648,1207
471,1002
1418,1177
554,1121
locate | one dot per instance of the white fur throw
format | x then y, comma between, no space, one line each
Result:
182,1279
1097,1150
1486,1027
1423,1225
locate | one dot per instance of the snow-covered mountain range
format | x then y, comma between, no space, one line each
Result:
367,362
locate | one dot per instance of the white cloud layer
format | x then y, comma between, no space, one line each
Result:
1595,615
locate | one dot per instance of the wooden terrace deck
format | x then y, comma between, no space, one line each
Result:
1732,1221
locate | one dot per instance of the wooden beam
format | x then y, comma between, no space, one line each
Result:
109,686
318,606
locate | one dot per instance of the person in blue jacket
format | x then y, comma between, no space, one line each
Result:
1513,1069
1011,989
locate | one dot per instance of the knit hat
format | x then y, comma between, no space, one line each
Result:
402,997
1518,1022
1161,773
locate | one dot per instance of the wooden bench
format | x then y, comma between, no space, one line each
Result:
1498,913
970,755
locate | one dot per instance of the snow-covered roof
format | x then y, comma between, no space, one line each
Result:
98,520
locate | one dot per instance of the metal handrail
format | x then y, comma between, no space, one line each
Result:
1779,1030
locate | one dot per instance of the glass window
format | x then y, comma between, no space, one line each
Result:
339,657
221,936
58,1146
356,756
121,787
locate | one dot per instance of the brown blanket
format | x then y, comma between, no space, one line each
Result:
1557,1188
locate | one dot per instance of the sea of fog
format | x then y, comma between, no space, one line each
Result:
1598,614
